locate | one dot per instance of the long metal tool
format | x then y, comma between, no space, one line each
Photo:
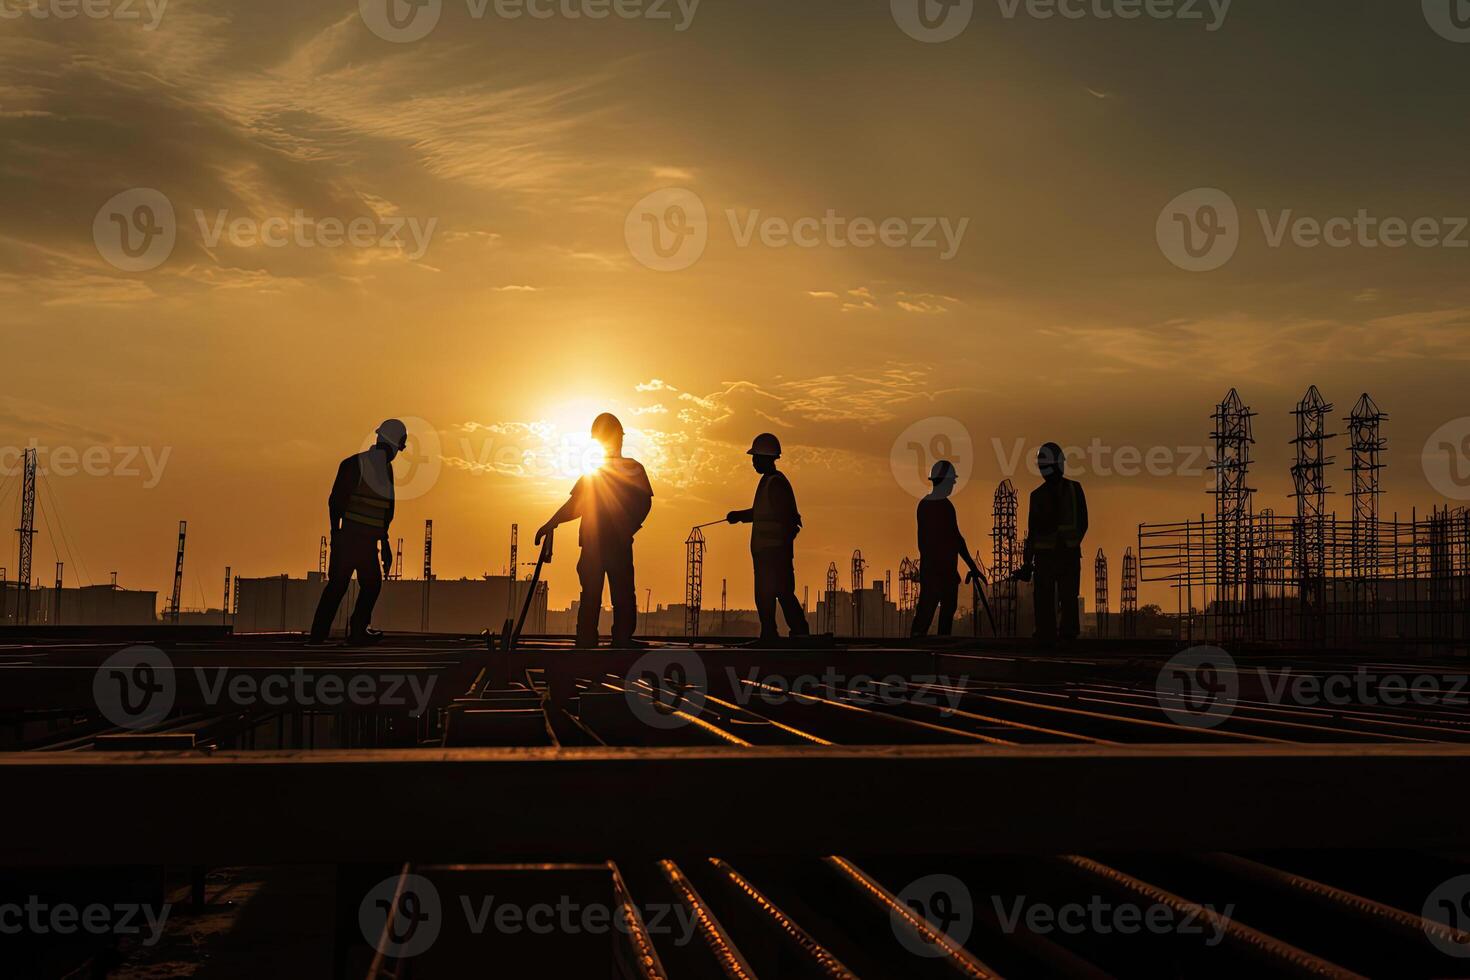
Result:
541,560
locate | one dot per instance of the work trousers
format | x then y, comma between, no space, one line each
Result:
352,551
1057,584
612,560
939,591
775,582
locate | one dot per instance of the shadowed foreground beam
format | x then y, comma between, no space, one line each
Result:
470,805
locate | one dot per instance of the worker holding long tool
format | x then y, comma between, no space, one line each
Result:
775,523
612,504
940,545
1056,524
359,509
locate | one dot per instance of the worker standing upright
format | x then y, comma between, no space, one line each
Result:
612,504
1056,525
775,523
360,509
941,545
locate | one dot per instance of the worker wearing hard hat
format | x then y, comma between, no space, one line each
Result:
360,508
611,504
941,545
775,523
1056,524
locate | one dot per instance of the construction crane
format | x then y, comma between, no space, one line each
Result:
398,565
173,608
1100,590
321,557
693,581
858,564
724,585
56,598
224,610
27,531
4,598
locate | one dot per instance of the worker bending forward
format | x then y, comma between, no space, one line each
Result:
775,523
612,504
360,508
940,545
1056,524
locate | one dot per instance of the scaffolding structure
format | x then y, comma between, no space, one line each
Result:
1310,489
693,580
1233,438
27,532
1100,592
858,564
1312,577
1005,553
1128,598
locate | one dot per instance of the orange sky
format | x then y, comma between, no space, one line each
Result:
499,296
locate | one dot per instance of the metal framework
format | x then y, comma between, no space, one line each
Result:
321,557
1100,592
56,597
27,532
858,564
225,608
1310,489
174,607
693,581
831,617
1233,438
1005,557
1128,599
1366,446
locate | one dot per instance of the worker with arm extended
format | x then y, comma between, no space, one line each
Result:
775,523
611,504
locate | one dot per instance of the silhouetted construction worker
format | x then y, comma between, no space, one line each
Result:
775,524
940,546
360,508
612,504
1056,524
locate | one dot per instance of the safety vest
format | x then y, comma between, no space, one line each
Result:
766,531
1069,522
373,495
